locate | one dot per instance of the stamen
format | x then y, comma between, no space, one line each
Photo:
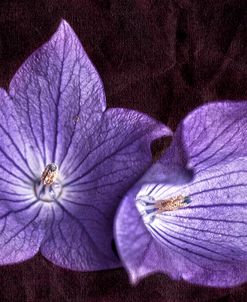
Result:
149,207
50,174
172,204
48,187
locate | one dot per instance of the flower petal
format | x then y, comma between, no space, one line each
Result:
22,228
140,253
212,134
15,151
205,241
55,87
22,217
106,166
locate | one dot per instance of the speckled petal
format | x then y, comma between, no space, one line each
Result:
203,240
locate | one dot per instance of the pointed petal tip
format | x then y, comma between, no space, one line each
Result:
133,279
167,131
63,21
2,92
161,130
64,30
63,27
64,24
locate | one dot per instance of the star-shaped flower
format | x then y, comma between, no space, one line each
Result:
65,161
187,216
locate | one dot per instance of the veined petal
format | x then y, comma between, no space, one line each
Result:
16,153
212,134
199,231
118,131
23,224
98,176
22,217
141,255
65,160
56,87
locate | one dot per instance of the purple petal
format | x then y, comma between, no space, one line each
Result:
55,113
81,235
56,87
204,239
211,135
22,217
22,228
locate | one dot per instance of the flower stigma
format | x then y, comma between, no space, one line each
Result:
48,187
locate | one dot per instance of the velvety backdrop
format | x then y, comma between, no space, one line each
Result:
160,57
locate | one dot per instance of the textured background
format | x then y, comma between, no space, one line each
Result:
159,57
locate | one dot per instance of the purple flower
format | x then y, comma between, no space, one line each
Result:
65,161
187,216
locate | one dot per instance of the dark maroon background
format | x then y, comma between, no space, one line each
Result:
160,57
